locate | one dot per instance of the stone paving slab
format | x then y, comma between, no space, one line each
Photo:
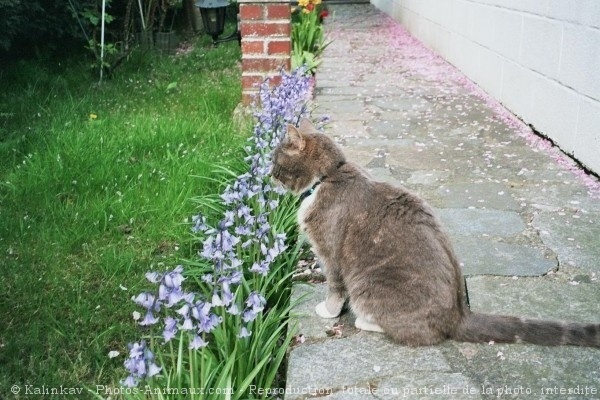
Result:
535,298
572,234
472,221
524,222
481,256
362,356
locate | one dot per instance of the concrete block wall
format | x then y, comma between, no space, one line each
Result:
540,58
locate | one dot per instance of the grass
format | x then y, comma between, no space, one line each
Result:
95,182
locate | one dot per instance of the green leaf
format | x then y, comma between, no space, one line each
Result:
171,86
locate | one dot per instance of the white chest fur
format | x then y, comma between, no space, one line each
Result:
305,208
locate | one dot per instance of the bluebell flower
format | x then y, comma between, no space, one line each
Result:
216,300
174,297
170,329
249,315
234,262
244,211
226,241
184,311
188,325
236,277
208,323
153,277
139,364
243,230
263,230
256,301
227,296
149,319
199,223
233,309
261,268
174,279
147,300
197,343
201,310
130,382
153,369
244,333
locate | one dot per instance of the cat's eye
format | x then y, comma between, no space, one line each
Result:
278,172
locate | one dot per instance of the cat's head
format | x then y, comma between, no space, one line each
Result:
304,157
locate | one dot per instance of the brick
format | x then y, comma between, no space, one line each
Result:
250,28
251,12
252,82
248,97
264,64
275,80
278,11
279,47
249,92
253,46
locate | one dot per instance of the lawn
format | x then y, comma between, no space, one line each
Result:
96,182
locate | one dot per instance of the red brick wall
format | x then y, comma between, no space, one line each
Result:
266,47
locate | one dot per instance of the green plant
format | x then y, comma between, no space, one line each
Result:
308,38
225,332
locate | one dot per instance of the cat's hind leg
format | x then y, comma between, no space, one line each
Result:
365,324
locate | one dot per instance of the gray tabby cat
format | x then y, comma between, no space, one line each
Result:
383,249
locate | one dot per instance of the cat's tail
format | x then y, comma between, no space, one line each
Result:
504,329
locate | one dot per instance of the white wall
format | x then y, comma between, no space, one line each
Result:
540,58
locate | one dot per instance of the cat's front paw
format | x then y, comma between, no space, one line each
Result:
323,312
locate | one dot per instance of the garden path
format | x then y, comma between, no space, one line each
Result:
525,221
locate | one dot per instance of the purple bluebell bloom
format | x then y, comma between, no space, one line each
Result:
153,277
197,343
140,364
261,268
256,301
188,325
249,315
149,319
244,333
147,300
174,279
170,329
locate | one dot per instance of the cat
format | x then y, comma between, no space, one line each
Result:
384,250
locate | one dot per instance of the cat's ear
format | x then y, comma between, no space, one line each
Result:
306,126
295,138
